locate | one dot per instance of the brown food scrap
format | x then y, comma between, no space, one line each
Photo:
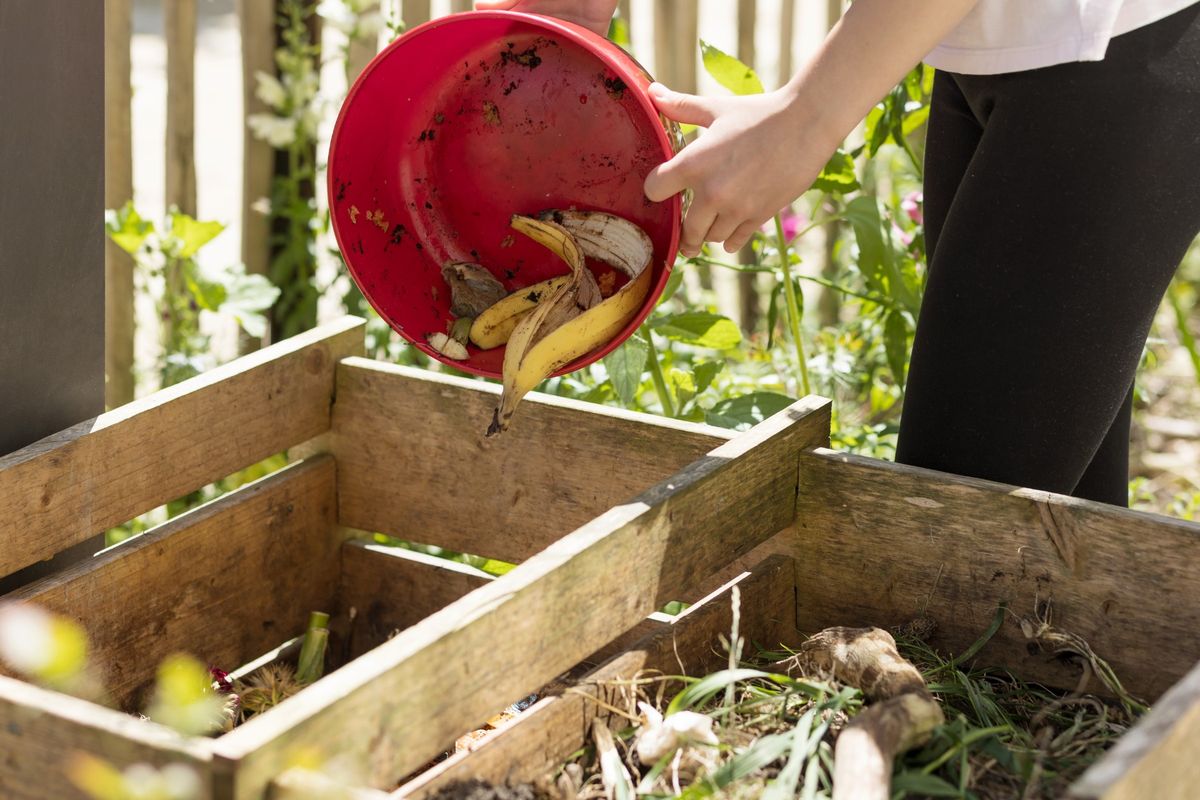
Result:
491,113
608,283
354,215
615,87
526,58
507,241
473,289
378,219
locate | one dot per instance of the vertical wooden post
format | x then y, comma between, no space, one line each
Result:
625,12
747,283
461,5
829,305
257,21
416,12
118,189
787,26
179,23
362,50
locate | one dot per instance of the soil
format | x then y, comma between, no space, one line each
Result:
479,790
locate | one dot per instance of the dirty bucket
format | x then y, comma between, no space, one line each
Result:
468,119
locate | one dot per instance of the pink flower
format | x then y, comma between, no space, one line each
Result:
912,205
905,237
792,223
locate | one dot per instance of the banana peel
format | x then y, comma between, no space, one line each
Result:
573,319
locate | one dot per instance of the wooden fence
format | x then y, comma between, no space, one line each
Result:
671,48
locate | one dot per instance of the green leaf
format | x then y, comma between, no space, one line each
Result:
673,282
700,328
705,688
895,342
705,372
209,293
728,71
838,176
127,229
923,785
625,366
618,32
247,297
191,235
863,215
747,410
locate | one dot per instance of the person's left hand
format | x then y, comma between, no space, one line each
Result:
760,153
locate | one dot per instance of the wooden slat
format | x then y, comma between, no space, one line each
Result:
1157,758
256,23
880,543
118,188
179,26
415,12
413,461
514,635
391,589
676,32
545,735
224,582
40,730
102,472
361,49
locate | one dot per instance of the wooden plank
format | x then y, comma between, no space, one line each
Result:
105,471
118,189
413,461
514,635
881,543
676,32
41,730
393,589
224,582
256,22
1157,758
416,11
179,27
540,739
361,49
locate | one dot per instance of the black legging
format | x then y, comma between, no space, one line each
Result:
1058,204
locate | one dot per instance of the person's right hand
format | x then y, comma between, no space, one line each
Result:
592,14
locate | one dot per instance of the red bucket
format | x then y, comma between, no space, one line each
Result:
468,119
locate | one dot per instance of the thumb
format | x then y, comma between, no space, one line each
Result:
689,109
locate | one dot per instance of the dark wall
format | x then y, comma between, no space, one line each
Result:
51,216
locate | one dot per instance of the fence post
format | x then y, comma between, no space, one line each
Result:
361,50
747,282
416,11
179,24
118,189
829,305
460,5
256,19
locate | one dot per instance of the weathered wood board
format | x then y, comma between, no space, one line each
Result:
224,582
881,543
40,731
77,483
413,461
513,635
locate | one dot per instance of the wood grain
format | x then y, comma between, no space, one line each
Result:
413,461
256,23
179,27
540,739
118,189
100,473
1157,757
224,582
391,589
881,543
515,634
41,730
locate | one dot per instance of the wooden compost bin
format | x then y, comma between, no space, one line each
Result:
399,452
611,515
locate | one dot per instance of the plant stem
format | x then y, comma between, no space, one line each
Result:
837,287
660,382
793,305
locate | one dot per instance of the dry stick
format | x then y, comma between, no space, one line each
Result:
902,716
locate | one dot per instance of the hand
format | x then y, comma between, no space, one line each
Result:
760,153
592,14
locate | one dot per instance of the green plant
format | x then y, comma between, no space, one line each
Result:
167,268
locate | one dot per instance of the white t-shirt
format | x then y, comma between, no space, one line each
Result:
1014,35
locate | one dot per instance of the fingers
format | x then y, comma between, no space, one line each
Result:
699,220
689,109
723,227
740,237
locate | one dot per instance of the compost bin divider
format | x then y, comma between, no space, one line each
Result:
223,581
580,593
413,462
882,543
534,743
103,472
